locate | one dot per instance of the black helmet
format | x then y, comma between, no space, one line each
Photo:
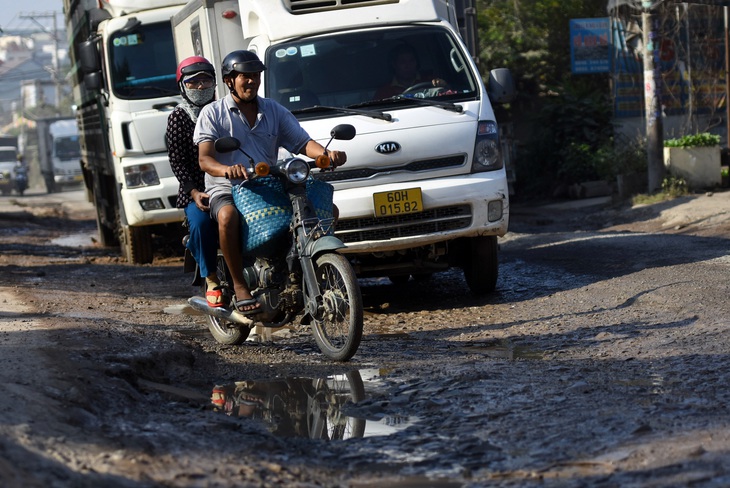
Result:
241,62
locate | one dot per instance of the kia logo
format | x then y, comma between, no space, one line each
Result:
387,147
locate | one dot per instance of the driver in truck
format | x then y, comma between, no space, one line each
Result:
262,125
403,63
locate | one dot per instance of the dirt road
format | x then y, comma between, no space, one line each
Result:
601,360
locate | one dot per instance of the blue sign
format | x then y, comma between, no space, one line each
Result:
589,46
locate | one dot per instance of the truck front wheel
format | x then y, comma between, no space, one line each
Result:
136,244
480,264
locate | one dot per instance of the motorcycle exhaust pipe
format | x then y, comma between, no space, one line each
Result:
201,305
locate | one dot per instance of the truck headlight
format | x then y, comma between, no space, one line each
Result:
141,175
487,156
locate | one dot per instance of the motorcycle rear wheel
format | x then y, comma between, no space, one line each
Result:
225,331
337,327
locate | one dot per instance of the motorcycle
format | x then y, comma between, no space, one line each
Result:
288,227
20,179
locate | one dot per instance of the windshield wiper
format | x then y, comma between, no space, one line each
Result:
427,101
423,101
347,110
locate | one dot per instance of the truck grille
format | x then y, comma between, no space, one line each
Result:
414,166
307,6
384,228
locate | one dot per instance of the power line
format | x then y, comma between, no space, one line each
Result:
18,26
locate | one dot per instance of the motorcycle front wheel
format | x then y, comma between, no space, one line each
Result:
337,326
225,331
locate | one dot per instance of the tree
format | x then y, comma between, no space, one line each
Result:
560,119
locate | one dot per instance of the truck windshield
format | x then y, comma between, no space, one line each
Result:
8,154
369,68
67,147
143,62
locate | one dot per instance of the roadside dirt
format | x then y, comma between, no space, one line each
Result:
601,360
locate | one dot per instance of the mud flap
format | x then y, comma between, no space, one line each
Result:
326,243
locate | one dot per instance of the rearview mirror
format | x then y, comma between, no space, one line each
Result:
89,57
343,132
501,86
227,144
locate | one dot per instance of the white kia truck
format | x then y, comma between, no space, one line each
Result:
424,188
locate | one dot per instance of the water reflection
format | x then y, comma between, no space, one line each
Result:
305,407
296,407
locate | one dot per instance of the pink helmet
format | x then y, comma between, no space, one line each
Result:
194,64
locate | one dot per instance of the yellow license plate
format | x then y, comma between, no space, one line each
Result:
398,202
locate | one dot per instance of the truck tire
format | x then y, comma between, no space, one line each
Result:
107,236
136,244
480,265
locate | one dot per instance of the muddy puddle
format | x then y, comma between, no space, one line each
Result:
314,408
86,239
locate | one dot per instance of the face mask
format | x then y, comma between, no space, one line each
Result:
200,97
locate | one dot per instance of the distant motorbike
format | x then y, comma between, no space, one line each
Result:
288,228
20,178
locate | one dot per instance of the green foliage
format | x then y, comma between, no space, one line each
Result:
531,37
571,141
568,118
694,140
674,186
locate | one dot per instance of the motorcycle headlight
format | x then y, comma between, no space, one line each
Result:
296,170
141,175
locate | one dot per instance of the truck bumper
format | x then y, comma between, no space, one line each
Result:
459,206
152,205
68,179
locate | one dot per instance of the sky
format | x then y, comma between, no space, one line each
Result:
11,10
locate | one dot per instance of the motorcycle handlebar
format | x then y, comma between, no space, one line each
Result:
323,162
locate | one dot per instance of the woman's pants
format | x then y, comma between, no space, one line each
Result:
203,240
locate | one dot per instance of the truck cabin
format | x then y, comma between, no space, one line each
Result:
302,72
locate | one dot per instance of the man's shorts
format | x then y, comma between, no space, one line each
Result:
218,202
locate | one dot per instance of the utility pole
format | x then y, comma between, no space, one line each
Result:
55,73
652,100
727,79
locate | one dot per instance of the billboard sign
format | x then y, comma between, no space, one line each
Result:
589,46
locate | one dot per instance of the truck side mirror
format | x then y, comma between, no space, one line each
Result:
501,86
97,16
92,81
89,57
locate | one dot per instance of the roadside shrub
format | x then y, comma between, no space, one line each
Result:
570,141
694,140
674,186
628,155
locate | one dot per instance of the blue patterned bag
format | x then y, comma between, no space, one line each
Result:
265,211
320,196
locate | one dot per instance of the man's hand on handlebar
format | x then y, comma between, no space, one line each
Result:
237,172
338,158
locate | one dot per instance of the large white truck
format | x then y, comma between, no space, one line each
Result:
59,152
424,188
124,88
